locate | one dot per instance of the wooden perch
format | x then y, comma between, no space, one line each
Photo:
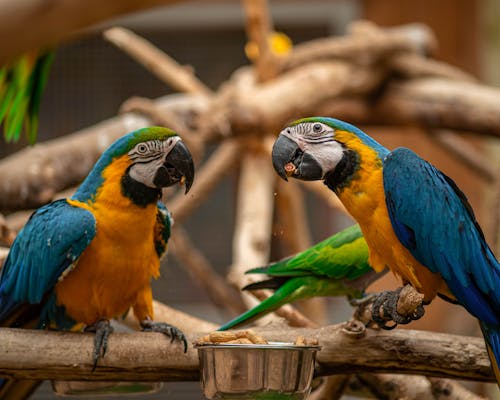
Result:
151,356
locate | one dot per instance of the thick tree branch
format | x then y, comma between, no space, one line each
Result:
151,356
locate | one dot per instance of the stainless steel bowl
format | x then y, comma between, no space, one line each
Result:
256,371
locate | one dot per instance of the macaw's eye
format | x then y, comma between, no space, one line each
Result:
317,128
142,148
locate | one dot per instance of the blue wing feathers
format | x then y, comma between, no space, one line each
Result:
53,238
433,220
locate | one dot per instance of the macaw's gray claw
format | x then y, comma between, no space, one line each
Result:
167,329
102,329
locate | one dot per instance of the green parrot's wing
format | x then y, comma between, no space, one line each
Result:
343,255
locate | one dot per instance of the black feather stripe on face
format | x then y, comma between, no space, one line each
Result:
140,194
345,170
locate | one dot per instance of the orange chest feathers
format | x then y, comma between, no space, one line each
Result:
120,261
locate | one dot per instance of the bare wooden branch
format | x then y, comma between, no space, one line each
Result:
258,27
397,351
410,66
366,44
298,93
202,272
252,231
56,20
156,61
151,356
440,103
254,211
68,356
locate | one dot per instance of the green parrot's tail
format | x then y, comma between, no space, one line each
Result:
21,86
287,291
273,283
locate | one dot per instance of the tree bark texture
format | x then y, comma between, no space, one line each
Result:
32,354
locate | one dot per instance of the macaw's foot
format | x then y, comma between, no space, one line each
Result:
400,306
171,331
102,329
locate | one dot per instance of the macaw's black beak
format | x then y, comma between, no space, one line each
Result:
290,160
178,167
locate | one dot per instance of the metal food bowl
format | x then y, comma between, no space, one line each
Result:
256,371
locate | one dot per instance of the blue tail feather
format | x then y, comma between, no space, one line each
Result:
492,337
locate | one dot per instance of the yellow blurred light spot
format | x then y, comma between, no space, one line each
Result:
279,44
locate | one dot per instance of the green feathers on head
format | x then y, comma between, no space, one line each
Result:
145,134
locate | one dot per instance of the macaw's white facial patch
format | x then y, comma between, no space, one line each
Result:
318,140
148,157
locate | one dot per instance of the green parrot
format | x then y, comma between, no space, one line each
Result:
337,266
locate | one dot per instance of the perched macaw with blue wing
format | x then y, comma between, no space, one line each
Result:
414,218
84,260
337,266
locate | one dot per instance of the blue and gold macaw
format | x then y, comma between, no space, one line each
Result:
414,218
84,260
337,266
